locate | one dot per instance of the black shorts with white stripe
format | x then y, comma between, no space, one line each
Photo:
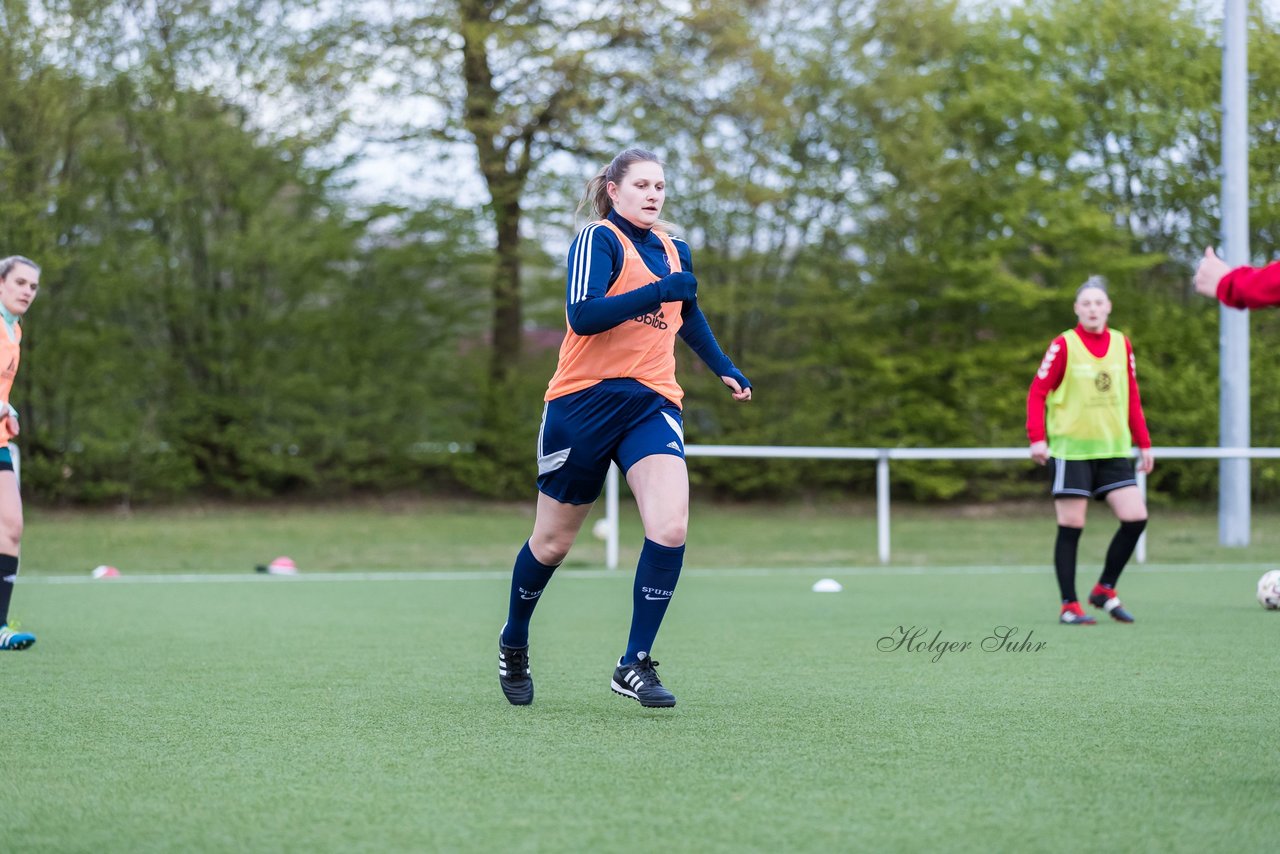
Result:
1091,478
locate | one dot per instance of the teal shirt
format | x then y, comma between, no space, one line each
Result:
10,323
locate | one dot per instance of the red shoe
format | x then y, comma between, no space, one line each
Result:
1106,599
1073,615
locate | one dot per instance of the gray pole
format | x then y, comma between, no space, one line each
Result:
1233,328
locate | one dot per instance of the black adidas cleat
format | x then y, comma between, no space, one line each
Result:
1106,599
640,682
513,673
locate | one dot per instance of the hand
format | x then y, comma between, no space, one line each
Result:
740,392
677,287
9,416
1040,452
1146,462
1209,273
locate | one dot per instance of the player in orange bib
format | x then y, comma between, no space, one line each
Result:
1088,384
19,282
614,398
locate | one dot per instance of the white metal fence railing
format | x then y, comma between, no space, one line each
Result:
882,457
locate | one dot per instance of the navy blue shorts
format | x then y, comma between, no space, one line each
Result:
1091,478
618,420
6,458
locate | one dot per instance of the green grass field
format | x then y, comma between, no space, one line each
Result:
244,713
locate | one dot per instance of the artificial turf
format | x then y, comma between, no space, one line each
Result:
364,715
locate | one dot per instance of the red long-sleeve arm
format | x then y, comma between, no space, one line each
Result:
1137,420
1251,287
1052,369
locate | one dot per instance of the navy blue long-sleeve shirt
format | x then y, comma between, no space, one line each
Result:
595,260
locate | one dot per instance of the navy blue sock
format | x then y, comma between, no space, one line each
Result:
656,575
528,579
8,574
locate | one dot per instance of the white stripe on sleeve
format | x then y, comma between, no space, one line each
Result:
582,265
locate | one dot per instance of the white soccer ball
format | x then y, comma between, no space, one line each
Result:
1269,590
600,530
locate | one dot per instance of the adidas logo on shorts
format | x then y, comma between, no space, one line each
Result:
675,446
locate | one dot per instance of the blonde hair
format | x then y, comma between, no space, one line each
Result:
595,197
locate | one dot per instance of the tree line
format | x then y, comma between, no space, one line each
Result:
890,206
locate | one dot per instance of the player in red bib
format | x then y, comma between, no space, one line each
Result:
19,283
1088,385
614,398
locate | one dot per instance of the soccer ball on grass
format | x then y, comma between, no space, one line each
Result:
1269,590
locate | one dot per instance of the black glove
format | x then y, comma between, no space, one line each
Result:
677,287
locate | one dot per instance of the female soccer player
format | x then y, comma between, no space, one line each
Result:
614,397
1089,382
19,282
1241,287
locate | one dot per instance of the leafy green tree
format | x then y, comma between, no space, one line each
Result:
191,333
890,206
519,82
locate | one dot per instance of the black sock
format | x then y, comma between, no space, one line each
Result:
8,575
1064,561
1121,548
